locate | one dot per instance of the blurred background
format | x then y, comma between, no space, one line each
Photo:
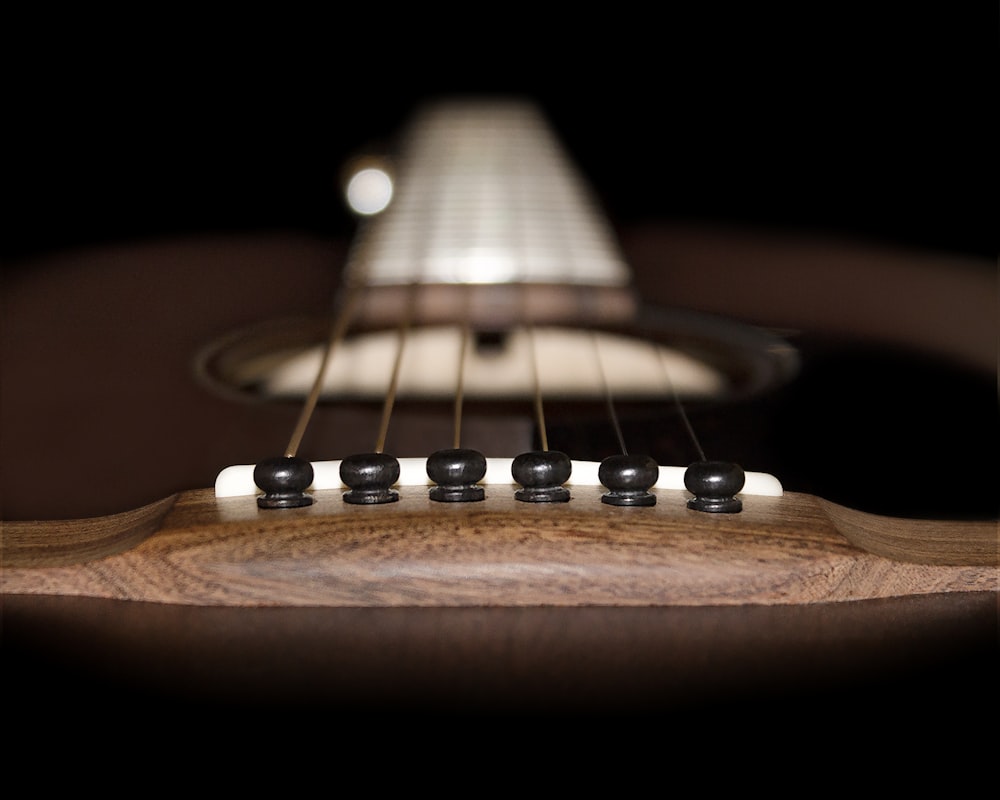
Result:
871,122
864,119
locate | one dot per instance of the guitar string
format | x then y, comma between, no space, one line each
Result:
677,402
522,181
360,249
423,219
466,334
537,387
402,334
338,330
607,392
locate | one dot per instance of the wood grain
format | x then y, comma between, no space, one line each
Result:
206,551
53,543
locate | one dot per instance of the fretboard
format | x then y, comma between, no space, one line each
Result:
486,194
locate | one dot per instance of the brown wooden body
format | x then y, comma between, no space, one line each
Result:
101,415
197,549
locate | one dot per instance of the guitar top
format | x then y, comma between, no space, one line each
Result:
134,390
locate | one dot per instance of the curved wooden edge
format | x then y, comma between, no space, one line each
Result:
916,541
57,543
785,550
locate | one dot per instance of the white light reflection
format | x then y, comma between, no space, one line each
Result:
473,265
369,191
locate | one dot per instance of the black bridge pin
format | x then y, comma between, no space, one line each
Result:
369,478
284,480
714,485
456,472
541,475
628,479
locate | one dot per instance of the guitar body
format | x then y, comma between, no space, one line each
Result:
106,415
124,575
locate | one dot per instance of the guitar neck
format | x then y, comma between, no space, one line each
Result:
490,215
485,194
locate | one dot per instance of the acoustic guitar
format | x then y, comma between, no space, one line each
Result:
521,460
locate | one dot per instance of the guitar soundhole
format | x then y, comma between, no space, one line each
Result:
880,430
653,356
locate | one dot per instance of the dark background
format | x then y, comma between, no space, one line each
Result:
873,120
869,120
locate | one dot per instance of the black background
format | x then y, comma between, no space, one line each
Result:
869,120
